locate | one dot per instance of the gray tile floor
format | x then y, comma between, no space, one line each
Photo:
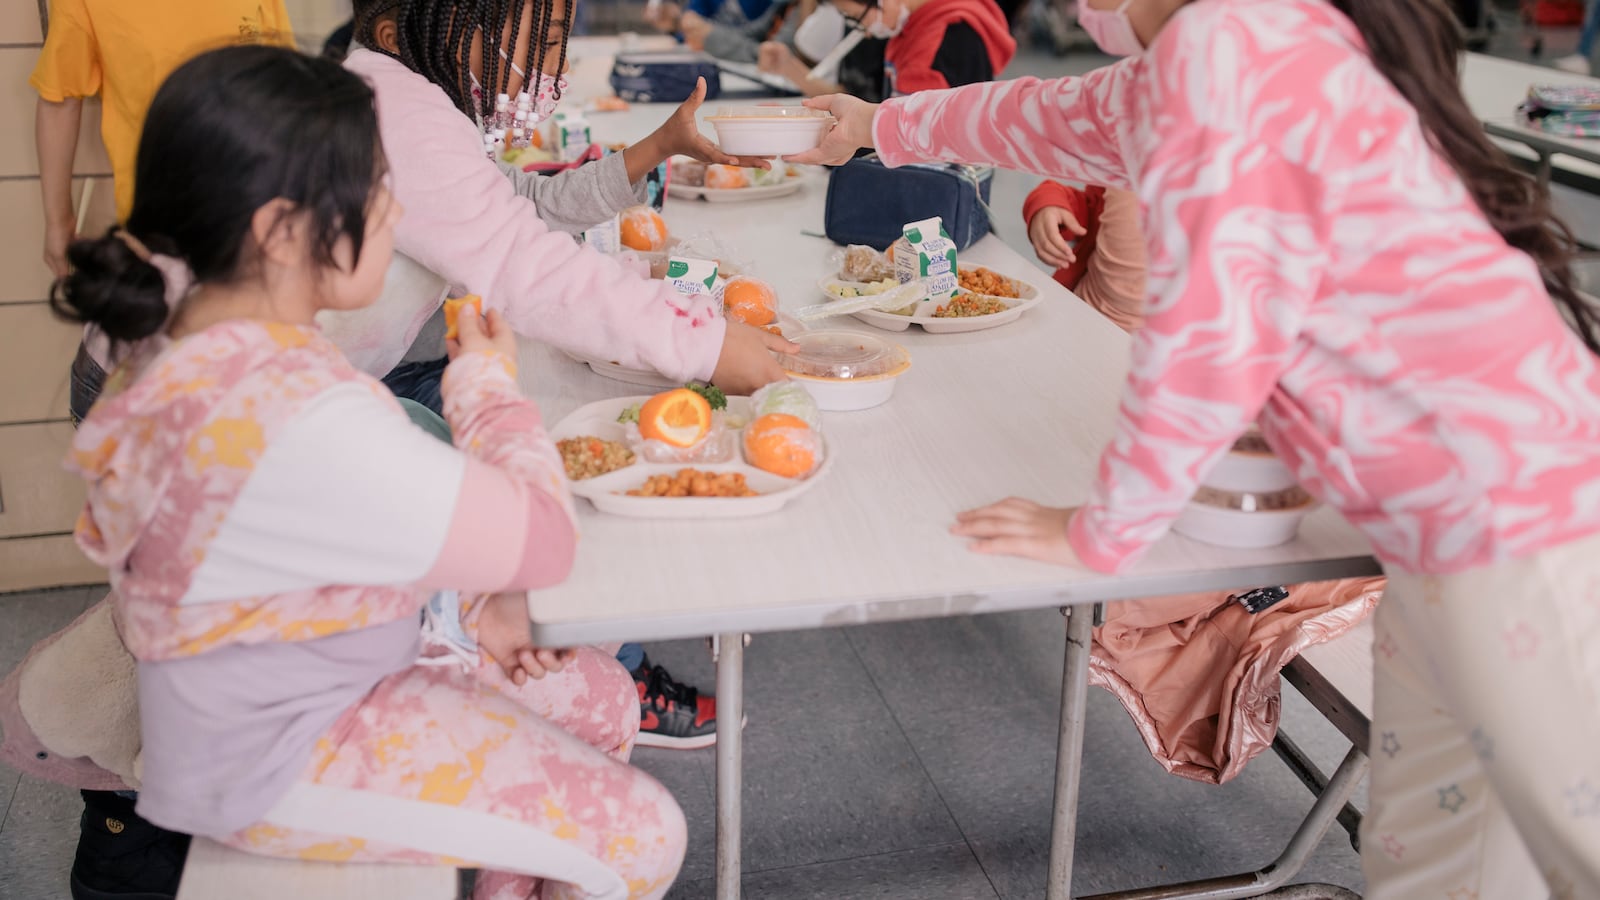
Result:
892,761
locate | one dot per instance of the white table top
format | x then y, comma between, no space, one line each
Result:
1494,88
1019,410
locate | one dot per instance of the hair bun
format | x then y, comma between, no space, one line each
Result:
112,288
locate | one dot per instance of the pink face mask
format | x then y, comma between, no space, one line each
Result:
544,102
1110,29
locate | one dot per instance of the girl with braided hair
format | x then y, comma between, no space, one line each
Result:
467,227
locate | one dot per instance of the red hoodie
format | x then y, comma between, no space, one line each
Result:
909,58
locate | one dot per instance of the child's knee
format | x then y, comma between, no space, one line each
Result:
614,701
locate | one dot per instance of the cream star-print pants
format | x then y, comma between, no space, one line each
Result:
1486,733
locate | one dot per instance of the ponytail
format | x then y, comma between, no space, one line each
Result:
112,288
1417,45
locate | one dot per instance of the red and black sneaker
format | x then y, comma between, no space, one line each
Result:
672,714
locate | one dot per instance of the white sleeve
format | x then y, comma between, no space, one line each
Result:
351,492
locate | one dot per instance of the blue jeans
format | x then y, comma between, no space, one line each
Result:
419,382
1591,30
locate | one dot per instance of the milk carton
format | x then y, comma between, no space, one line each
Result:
572,138
605,237
694,276
930,257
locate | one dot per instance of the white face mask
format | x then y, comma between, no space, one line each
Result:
820,32
550,92
881,31
1110,29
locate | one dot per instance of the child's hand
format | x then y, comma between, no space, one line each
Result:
746,362
1017,527
57,235
487,333
852,131
503,634
680,136
1044,231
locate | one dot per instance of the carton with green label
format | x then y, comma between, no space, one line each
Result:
930,258
694,276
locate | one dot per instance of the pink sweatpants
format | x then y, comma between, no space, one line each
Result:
530,784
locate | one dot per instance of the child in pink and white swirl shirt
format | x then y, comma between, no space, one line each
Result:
1336,249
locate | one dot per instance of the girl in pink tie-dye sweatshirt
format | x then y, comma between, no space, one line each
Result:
1337,250
285,549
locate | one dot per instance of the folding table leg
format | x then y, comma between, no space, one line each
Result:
730,762
1069,750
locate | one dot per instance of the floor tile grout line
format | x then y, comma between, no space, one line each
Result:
850,642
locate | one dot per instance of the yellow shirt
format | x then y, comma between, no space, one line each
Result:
123,51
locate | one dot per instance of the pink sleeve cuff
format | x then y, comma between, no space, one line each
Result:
1093,549
887,127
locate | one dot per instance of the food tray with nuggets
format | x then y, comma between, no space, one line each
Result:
986,299
784,326
616,480
692,180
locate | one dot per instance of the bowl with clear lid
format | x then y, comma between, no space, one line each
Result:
769,130
846,370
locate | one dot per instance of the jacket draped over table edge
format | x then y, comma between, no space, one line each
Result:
1196,672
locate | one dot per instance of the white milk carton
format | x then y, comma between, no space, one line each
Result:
572,138
605,237
930,257
694,276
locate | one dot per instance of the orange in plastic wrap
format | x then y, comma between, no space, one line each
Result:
679,418
644,230
726,177
750,300
781,444
452,313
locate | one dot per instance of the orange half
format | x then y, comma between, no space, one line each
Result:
679,418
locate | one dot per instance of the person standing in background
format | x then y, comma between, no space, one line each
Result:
121,52
1578,63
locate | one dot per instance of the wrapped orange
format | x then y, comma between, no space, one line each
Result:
781,444
726,177
452,313
644,230
750,300
678,418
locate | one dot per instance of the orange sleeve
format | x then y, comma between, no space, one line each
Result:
69,64
1053,193
275,24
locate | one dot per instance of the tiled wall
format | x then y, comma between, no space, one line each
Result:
38,501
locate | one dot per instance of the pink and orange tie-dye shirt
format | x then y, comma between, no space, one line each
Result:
1314,262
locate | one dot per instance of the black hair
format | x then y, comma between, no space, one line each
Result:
436,38
228,132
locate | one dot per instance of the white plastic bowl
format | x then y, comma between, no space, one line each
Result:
769,130
1249,473
850,394
1235,528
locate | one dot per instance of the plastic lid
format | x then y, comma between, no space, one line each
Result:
770,112
844,355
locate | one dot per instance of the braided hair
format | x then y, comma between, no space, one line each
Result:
364,13
435,34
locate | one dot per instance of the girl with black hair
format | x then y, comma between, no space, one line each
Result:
285,548
1337,250
467,226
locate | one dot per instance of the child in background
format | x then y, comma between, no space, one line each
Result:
466,226
1092,237
274,525
121,52
935,44
1338,251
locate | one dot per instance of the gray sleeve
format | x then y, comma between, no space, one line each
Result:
732,44
580,198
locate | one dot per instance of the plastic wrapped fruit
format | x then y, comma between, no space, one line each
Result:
750,300
789,398
726,177
781,444
644,230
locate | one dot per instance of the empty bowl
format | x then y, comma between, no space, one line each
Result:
769,130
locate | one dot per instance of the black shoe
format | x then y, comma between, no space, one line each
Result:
123,857
672,714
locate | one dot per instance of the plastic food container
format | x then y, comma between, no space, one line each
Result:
846,370
1244,519
1250,468
769,130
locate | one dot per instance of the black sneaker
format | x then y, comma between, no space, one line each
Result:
672,714
123,857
